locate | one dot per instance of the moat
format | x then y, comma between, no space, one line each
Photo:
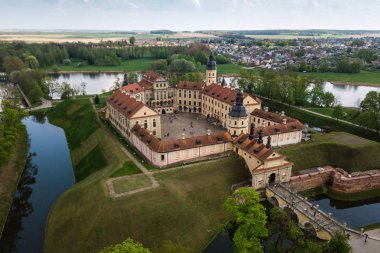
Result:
48,173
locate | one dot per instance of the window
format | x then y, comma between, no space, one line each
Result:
162,157
242,123
154,132
235,123
145,124
154,123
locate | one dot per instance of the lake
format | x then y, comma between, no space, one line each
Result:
349,95
48,173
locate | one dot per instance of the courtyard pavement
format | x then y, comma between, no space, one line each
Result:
173,125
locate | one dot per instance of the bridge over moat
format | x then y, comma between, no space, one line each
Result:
304,213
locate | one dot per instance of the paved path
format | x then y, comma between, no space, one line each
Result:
45,104
359,246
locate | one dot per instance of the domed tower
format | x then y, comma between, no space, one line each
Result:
211,71
238,117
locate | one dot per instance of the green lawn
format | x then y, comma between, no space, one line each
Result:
364,77
130,65
92,148
131,183
350,113
339,149
186,208
128,168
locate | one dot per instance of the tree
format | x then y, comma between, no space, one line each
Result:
128,246
371,105
328,99
31,62
96,99
250,219
316,95
132,40
338,244
66,90
160,65
83,87
171,247
12,63
66,62
36,93
285,229
338,112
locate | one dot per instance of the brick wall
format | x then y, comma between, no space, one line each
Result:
340,180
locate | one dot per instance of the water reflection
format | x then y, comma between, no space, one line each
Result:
25,229
21,207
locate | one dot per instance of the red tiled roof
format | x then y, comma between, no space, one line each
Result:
145,84
191,85
280,128
132,88
152,76
221,93
163,146
260,151
125,104
271,116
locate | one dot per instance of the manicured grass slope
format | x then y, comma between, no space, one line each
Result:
339,149
91,147
186,208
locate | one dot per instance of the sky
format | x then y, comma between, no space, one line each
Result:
189,14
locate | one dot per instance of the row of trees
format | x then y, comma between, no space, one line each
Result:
10,125
286,87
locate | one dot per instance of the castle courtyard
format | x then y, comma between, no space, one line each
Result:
174,125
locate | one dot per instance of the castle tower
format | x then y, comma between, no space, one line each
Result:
211,71
238,117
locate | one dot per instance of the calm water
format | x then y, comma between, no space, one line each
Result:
356,214
349,95
96,83
47,175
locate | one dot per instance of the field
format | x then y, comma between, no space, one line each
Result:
128,66
10,174
338,149
363,78
295,36
186,208
91,147
94,37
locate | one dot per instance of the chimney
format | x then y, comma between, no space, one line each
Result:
260,141
183,136
252,131
208,132
284,121
266,108
269,145
282,113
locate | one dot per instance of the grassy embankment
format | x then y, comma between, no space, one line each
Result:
91,147
10,174
371,78
337,149
315,120
186,208
347,197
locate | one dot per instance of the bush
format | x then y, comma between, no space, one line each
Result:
67,62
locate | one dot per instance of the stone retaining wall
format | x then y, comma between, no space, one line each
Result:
338,179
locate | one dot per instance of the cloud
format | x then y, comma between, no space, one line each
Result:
196,3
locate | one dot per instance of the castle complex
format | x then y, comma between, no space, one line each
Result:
136,111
